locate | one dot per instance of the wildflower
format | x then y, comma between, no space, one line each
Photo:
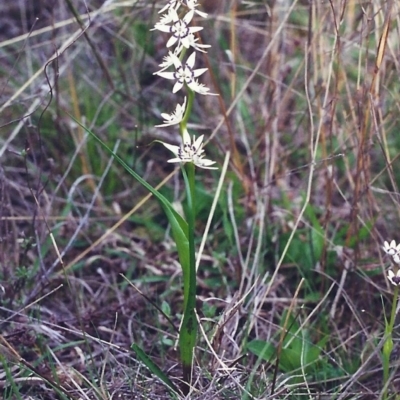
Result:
168,61
184,73
390,248
165,19
192,42
394,278
192,4
176,117
201,88
179,29
190,151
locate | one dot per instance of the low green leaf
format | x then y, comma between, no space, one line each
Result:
290,359
262,349
153,367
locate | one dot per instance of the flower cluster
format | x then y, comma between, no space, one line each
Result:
182,41
393,250
182,37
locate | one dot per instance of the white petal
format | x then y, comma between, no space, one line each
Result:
205,164
198,72
198,142
176,60
191,60
188,17
166,75
391,276
172,40
171,147
186,136
175,160
162,28
194,29
178,86
201,13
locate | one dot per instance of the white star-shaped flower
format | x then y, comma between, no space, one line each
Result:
192,42
394,278
391,248
168,61
176,117
190,151
200,88
165,19
184,73
179,29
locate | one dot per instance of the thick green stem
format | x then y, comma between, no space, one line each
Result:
188,333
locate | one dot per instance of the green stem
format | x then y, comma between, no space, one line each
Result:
188,110
394,307
188,333
388,345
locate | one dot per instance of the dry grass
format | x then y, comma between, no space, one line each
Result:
307,108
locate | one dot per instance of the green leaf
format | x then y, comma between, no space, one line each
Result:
166,309
262,349
153,367
290,359
291,337
179,226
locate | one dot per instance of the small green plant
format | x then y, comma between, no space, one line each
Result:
393,251
294,352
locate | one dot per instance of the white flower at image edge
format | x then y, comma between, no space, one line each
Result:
190,151
391,248
394,278
176,117
185,73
